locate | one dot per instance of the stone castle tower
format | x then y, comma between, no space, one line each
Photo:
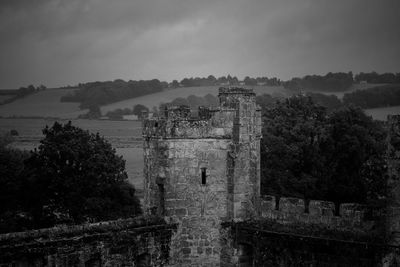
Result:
201,172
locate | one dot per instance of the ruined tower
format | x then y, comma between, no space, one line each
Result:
201,172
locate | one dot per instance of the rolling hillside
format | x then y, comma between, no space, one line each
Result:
42,104
47,103
168,95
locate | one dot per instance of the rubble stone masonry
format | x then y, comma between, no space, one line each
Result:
200,172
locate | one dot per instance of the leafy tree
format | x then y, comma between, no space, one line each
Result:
250,81
329,83
77,177
379,96
290,156
93,113
309,153
353,153
100,93
138,110
175,84
12,216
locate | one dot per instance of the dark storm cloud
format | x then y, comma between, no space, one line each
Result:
59,42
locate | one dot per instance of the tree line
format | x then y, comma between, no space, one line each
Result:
102,93
225,80
373,77
375,97
331,82
21,92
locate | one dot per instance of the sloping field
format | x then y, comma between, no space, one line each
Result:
5,97
42,104
47,103
382,113
154,100
353,88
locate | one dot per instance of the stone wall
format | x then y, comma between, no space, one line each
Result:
138,241
294,210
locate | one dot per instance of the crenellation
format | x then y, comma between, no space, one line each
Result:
291,205
293,210
321,208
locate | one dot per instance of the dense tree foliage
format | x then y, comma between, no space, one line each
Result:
73,177
93,113
12,215
226,80
331,82
139,109
118,113
20,93
262,81
330,102
380,96
373,77
307,152
101,93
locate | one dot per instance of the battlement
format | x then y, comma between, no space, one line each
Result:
294,210
236,105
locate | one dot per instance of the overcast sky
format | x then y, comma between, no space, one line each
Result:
60,42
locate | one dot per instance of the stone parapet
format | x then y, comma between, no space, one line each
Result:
140,241
293,210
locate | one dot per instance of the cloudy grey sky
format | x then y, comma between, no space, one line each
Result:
60,42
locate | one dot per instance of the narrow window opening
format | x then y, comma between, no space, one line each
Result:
203,176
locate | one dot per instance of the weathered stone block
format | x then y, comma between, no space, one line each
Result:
321,208
291,205
352,211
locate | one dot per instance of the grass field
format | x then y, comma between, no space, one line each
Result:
42,104
382,113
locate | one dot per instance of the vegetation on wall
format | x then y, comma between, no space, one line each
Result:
73,177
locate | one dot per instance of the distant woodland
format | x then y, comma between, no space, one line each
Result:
380,96
102,93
